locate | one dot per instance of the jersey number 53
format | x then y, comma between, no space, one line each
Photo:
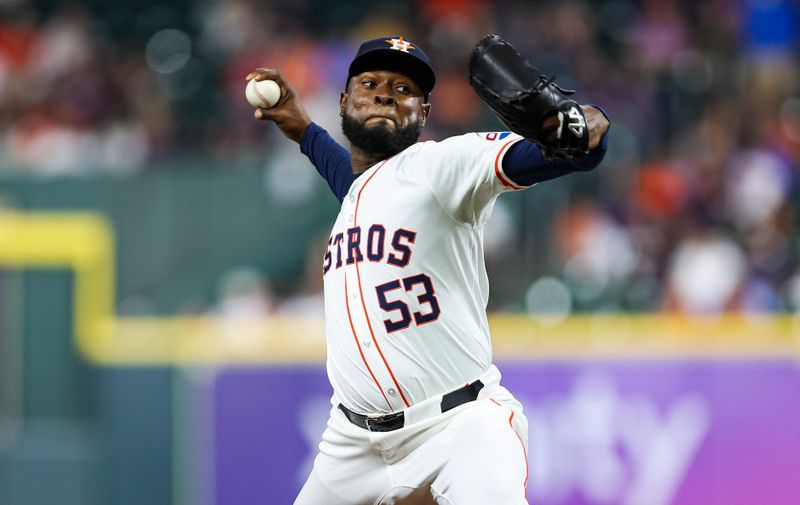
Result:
419,285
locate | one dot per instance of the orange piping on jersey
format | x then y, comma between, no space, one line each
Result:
524,452
497,170
361,292
358,344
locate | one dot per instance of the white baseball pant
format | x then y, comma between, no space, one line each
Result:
474,454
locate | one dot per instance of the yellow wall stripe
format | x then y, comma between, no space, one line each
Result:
84,243
79,241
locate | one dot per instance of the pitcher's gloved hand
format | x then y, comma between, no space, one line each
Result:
527,101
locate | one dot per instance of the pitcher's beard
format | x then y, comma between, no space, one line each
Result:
379,140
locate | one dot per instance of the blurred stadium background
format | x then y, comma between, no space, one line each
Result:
160,296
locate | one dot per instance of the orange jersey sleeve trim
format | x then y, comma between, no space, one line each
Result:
499,172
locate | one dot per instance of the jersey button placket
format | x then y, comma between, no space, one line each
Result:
362,331
372,353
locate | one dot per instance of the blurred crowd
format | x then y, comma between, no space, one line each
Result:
694,209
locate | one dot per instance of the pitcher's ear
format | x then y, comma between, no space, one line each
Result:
426,111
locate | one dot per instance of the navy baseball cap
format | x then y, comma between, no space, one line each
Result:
395,54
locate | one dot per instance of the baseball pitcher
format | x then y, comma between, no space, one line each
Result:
418,409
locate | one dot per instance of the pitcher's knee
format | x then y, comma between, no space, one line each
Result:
491,487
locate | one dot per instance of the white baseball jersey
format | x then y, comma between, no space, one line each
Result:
405,281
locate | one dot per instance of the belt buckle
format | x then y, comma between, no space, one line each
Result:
370,420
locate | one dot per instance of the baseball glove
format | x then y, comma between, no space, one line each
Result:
523,98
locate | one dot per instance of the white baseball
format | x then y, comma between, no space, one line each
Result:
264,94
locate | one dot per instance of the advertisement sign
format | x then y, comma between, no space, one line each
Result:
622,432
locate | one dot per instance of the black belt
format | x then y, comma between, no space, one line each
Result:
395,421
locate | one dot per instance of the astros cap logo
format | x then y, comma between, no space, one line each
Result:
400,44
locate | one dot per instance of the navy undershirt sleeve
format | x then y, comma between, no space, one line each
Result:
525,164
331,160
